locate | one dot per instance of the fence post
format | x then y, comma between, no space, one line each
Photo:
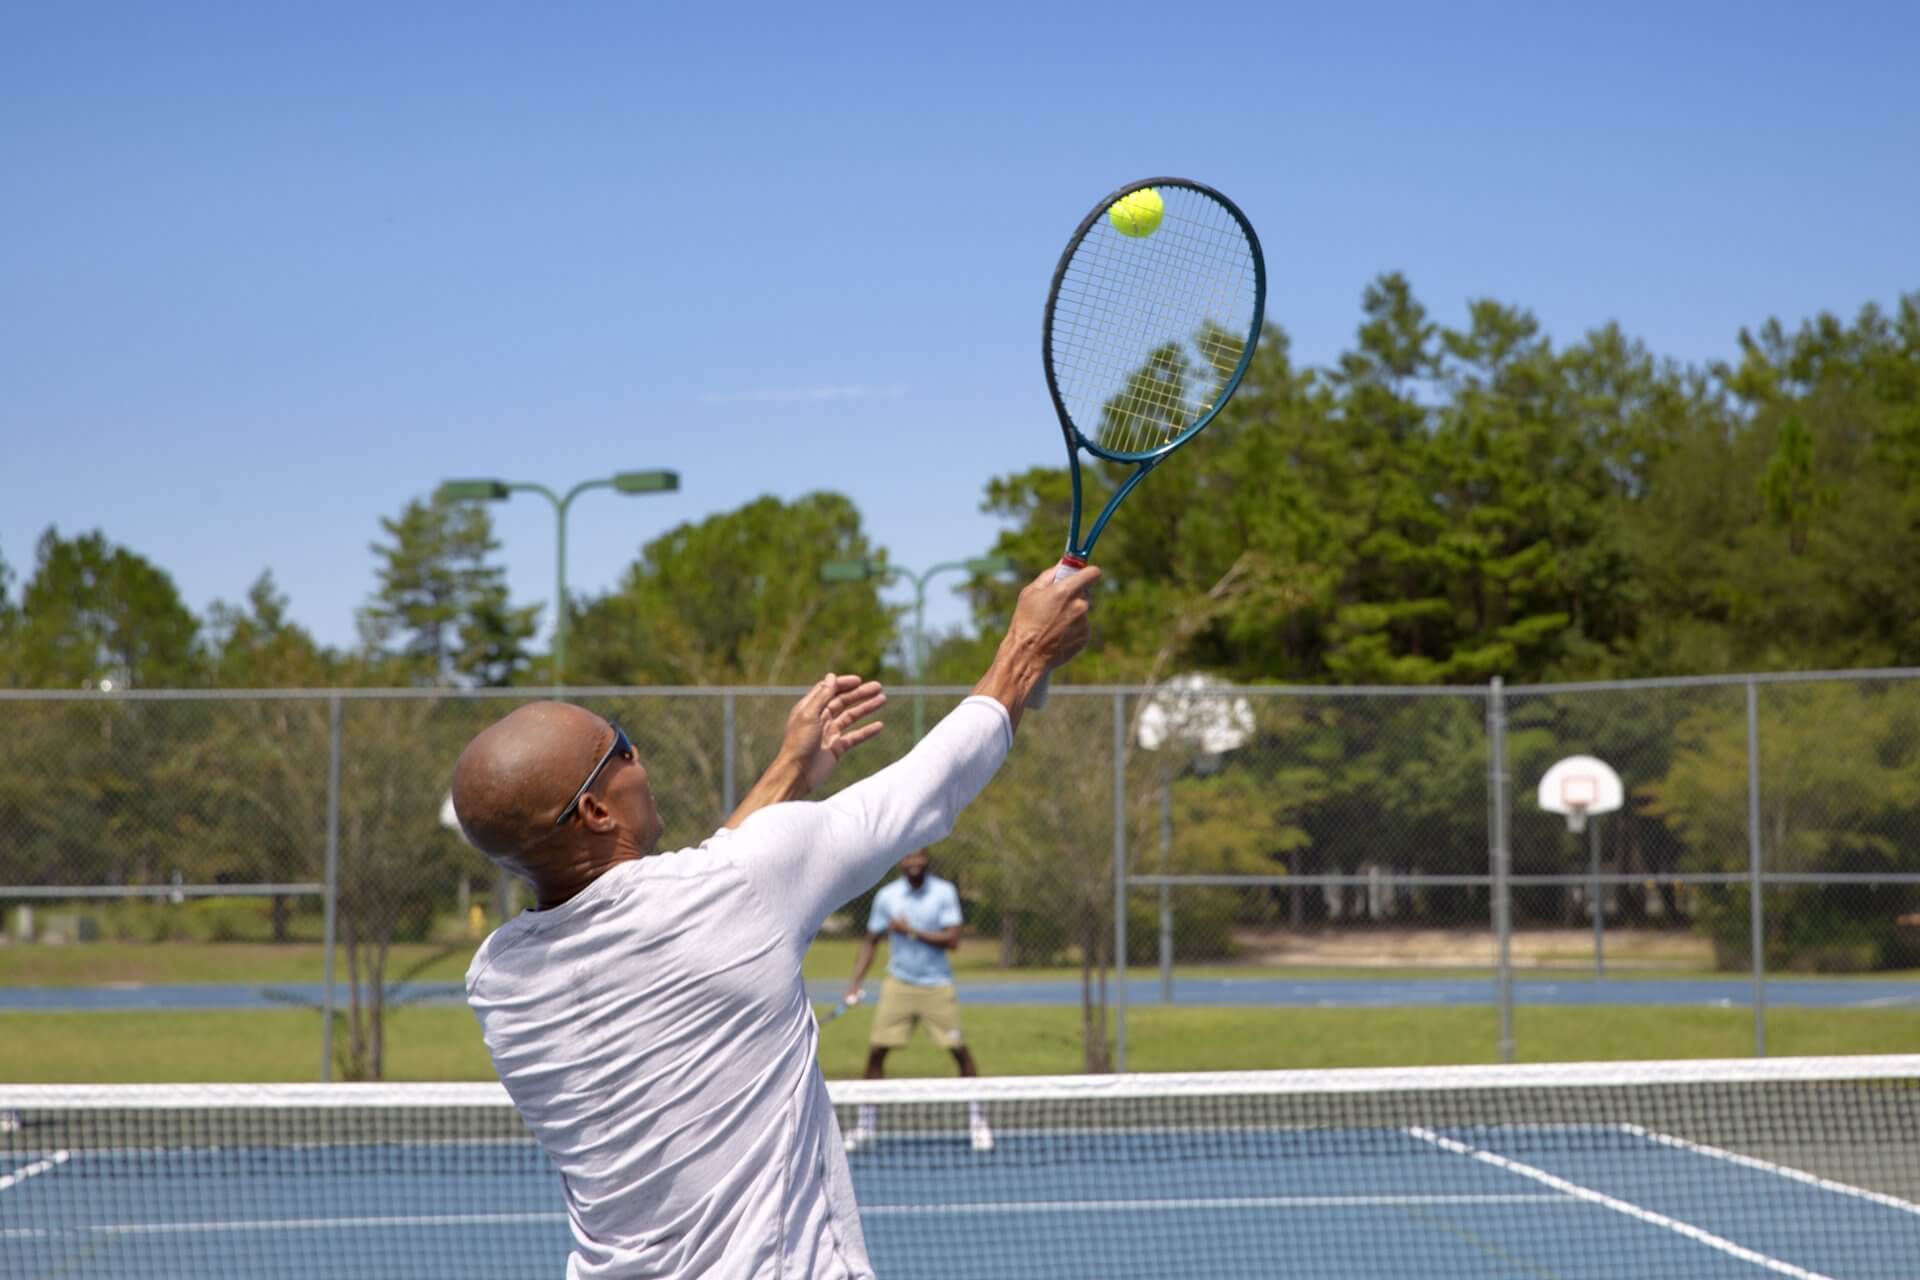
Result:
727,789
1120,878
1502,858
333,883
1166,890
1598,899
1756,885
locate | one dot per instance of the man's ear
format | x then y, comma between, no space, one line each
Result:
594,814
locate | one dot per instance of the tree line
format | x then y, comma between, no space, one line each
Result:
1440,504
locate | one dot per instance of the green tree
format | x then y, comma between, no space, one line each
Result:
1839,792
737,599
9,613
76,801
255,645
1776,531
1191,557
257,766
441,603
1440,505
398,866
92,609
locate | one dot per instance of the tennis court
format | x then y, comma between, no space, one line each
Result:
1805,1168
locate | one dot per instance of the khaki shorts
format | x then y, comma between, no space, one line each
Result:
902,1004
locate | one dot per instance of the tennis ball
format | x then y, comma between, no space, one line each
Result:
1137,213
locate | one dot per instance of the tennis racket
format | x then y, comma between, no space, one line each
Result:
1150,325
839,1010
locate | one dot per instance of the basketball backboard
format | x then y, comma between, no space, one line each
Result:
1578,787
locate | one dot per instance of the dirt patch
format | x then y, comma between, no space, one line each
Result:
1469,948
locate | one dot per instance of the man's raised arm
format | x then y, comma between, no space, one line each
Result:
1049,627
811,858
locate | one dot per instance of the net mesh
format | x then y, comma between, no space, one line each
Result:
1807,1167
1146,329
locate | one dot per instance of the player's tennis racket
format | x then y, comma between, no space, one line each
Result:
839,1010
1150,326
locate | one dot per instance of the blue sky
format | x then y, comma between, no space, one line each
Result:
268,271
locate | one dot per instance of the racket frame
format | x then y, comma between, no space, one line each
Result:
1078,551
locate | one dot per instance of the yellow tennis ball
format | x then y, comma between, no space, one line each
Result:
1137,213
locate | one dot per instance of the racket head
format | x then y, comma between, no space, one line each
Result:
1146,337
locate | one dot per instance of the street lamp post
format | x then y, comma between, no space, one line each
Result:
868,569
628,482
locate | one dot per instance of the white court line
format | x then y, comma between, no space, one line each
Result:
24,1172
883,1210
1217,1202
284,1224
1574,1189
1058,1206
1778,1170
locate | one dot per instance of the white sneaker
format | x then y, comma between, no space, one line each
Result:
858,1138
981,1136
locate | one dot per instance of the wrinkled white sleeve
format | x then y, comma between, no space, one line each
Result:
808,858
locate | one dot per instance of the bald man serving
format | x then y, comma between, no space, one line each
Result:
648,1017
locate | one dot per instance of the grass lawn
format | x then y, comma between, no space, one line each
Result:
247,963
444,1043
252,964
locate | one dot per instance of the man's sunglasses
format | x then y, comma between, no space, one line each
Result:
621,747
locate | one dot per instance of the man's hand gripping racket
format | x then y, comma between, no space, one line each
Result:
1150,325
847,1002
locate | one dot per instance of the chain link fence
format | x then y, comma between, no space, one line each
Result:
1137,841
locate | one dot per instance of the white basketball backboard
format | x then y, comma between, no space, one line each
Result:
1184,709
1579,786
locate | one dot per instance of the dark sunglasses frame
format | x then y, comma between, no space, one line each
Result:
621,747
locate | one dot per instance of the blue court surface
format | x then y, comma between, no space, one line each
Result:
1598,1203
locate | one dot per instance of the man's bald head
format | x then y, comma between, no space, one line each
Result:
519,772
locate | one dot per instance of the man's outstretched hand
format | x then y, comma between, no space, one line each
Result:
829,721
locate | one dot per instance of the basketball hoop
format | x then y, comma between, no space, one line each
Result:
1579,787
1578,791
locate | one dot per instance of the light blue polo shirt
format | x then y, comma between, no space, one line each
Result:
933,906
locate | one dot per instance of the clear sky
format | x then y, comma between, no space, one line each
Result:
268,271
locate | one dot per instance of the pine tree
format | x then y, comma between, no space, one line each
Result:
441,604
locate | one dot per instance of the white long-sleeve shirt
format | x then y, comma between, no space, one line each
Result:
656,1036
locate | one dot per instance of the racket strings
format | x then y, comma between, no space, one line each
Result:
1146,330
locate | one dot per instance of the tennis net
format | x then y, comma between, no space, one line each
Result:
1804,1167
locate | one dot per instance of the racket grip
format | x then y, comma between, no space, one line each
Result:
1037,700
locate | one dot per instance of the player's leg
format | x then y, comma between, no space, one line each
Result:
940,1007
893,1019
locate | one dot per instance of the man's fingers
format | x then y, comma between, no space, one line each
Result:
853,738
822,691
835,694
853,711
1082,580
